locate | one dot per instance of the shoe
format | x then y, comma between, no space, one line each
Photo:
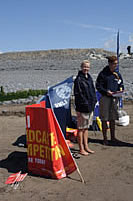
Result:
114,140
105,142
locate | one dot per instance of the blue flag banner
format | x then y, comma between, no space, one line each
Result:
59,99
96,110
117,70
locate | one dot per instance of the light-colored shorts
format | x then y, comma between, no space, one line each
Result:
84,120
108,108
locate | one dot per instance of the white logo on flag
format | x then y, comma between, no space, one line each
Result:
63,91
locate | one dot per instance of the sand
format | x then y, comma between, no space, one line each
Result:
108,173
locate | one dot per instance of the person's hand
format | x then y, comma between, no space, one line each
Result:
109,93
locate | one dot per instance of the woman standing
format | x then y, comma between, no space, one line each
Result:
85,100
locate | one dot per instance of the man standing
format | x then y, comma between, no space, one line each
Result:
109,82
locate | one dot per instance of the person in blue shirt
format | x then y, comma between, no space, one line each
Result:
108,82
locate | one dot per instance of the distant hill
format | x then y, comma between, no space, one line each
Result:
40,69
54,53
49,59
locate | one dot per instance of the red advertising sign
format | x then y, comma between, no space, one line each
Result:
48,153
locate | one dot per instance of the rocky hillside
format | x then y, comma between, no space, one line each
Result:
40,69
49,59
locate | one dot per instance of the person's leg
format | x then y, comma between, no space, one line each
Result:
81,142
112,130
104,131
104,108
113,116
85,138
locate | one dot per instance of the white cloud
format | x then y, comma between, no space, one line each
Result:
97,27
90,26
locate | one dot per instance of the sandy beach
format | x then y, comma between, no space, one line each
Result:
108,173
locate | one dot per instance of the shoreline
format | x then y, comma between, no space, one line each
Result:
19,109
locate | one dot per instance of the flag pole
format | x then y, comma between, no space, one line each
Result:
118,50
82,179
118,44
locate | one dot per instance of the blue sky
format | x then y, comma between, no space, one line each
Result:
59,24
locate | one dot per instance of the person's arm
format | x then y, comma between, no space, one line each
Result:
78,91
101,83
